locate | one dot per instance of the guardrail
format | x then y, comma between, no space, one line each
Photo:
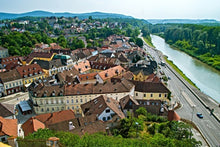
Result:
201,101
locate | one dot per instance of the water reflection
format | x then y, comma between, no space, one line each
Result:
205,77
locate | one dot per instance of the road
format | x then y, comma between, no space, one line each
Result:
209,126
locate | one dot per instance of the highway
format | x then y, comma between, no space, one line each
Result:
208,126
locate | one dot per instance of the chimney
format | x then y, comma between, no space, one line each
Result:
71,126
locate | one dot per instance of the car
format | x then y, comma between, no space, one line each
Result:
199,115
169,78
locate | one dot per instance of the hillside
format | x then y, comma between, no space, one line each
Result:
65,14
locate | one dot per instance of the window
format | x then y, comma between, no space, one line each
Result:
159,95
152,103
76,100
144,95
52,109
165,95
3,139
48,109
151,95
107,111
57,108
9,85
104,118
42,110
136,94
73,107
72,101
81,100
67,101
108,118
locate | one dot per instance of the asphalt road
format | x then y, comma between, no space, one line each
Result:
209,126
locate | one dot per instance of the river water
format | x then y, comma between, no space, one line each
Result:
206,78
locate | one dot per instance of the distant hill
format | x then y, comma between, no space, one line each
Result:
184,21
65,14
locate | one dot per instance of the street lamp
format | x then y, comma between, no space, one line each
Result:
193,107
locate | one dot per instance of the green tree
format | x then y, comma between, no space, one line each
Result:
139,42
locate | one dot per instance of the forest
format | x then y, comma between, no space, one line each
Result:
199,41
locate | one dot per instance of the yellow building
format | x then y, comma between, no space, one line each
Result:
151,91
56,97
30,73
38,56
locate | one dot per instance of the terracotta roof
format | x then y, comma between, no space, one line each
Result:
172,115
99,104
55,117
44,120
10,76
32,125
153,78
98,88
83,66
150,87
111,72
88,76
6,110
11,59
8,127
126,75
29,70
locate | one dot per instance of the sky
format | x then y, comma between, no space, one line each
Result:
144,9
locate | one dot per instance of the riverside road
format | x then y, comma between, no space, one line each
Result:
209,126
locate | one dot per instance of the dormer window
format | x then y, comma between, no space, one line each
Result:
30,75
29,69
86,66
40,72
24,70
116,71
45,93
106,74
35,73
53,93
34,68
25,76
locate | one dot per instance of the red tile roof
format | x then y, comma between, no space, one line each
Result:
32,125
29,70
8,127
88,76
44,120
83,66
111,72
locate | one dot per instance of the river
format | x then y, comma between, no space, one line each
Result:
206,78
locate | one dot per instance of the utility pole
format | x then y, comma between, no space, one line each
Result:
193,107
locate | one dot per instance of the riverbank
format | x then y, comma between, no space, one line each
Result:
148,41
180,72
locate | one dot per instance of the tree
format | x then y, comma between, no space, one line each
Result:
141,111
62,41
139,42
